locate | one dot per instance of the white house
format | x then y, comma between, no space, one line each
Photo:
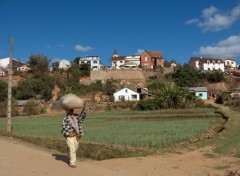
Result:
126,94
93,61
64,64
132,61
230,64
207,64
4,65
119,62
24,68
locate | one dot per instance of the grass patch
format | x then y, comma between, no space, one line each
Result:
229,140
117,134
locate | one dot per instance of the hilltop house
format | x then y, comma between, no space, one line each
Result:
64,64
143,92
93,61
4,65
230,64
151,60
24,68
200,92
205,64
131,61
126,94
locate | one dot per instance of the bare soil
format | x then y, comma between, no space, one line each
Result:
18,159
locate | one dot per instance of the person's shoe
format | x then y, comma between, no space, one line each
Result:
72,166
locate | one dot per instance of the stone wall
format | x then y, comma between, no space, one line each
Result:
136,75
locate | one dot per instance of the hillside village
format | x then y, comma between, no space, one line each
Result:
128,79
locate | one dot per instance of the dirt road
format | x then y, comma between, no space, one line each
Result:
21,159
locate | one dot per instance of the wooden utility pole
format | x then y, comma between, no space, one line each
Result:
9,108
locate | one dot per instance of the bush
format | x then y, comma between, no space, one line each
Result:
31,108
147,105
124,105
219,100
4,107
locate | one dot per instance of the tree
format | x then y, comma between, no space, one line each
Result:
186,76
76,60
110,87
3,91
85,69
166,64
38,63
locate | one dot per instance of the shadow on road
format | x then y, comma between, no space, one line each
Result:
61,158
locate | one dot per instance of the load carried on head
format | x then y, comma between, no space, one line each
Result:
71,101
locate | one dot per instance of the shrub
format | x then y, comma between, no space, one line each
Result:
4,107
147,105
219,100
31,108
124,105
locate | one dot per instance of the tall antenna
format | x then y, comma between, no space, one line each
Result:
9,108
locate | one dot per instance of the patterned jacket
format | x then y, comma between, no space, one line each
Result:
67,127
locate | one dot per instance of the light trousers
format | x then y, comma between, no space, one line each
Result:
73,146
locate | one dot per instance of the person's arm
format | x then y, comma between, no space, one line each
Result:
83,114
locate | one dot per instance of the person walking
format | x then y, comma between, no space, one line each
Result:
72,131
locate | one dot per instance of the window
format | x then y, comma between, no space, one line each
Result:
200,95
121,97
134,97
146,66
126,91
213,62
95,62
146,59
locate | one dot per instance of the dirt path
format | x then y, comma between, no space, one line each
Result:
18,159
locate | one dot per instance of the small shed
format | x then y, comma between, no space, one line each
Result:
201,92
235,93
126,94
143,92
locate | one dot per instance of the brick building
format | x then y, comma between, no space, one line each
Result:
151,60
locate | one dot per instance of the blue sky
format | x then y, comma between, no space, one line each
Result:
66,29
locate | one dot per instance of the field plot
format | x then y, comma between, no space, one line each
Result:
136,129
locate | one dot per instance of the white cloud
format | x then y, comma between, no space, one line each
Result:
208,12
215,20
194,20
139,51
82,48
227,48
